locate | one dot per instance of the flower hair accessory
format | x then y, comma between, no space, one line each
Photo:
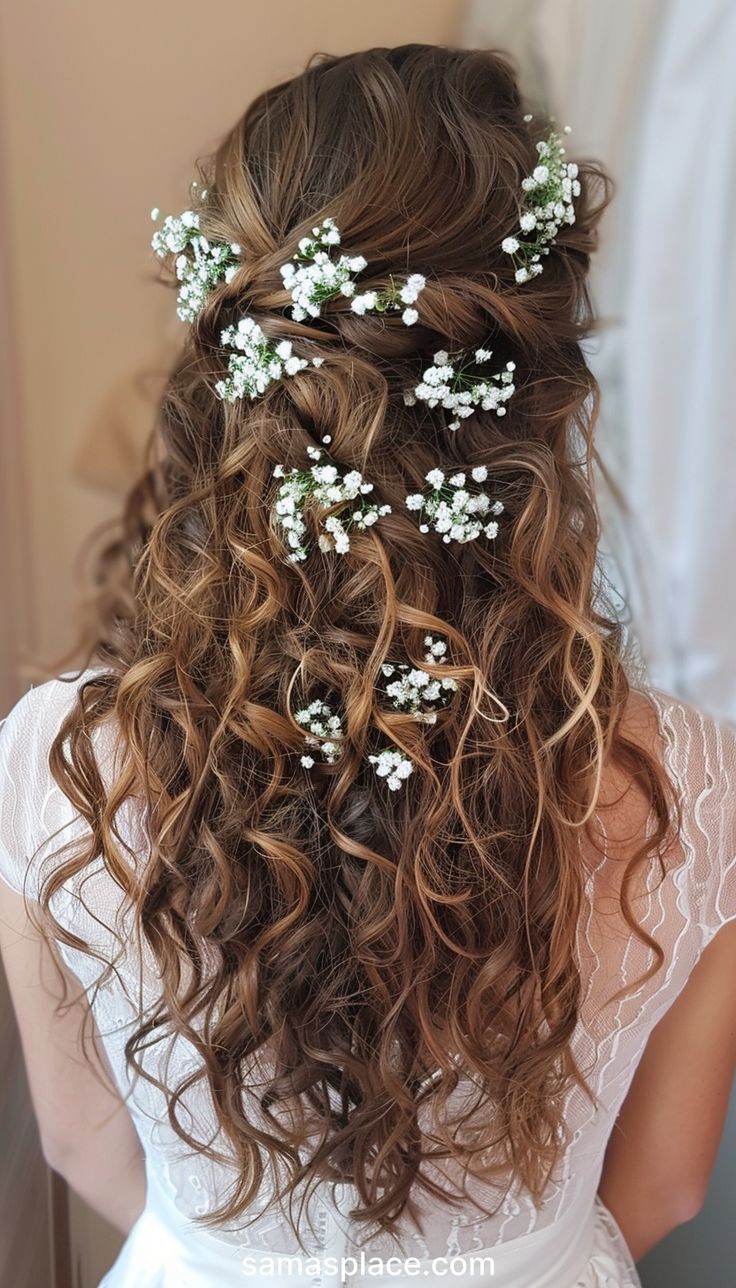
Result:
392,297
313,277
548,204
451,510
258,362
324,484
449,382
415,691
393,765
322,724
200,263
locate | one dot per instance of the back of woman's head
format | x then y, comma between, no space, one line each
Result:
372,944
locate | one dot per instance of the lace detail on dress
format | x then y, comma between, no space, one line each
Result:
683,911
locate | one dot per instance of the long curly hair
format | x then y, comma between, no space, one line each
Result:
378,946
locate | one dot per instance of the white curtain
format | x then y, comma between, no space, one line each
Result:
649,86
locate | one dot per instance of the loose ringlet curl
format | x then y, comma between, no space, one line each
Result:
371,958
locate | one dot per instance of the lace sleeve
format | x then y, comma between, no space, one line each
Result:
33,810
700,755
17,769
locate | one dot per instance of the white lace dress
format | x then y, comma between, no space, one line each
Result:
571,1241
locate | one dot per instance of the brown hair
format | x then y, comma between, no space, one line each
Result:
375,943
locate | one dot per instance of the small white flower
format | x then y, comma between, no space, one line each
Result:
435,478
510,245
410,316
479,473
292,365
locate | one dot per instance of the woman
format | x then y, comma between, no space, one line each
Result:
387,888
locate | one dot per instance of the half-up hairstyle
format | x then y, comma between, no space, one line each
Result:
372,946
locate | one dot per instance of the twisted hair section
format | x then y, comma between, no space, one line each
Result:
367,949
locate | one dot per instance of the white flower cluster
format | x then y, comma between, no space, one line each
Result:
323,484
258,362
450,383
549,194
322,725
200,264
313,277
415,690
451,510
392,297
393,765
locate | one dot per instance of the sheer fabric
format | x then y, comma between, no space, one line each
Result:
683,911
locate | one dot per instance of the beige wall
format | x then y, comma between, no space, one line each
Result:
103,108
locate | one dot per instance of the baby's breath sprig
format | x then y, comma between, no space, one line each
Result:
324,738
415,691
200,264
393,765
258,363
451,382
325,727
392,297
549,192
313,277
451,510
325,484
